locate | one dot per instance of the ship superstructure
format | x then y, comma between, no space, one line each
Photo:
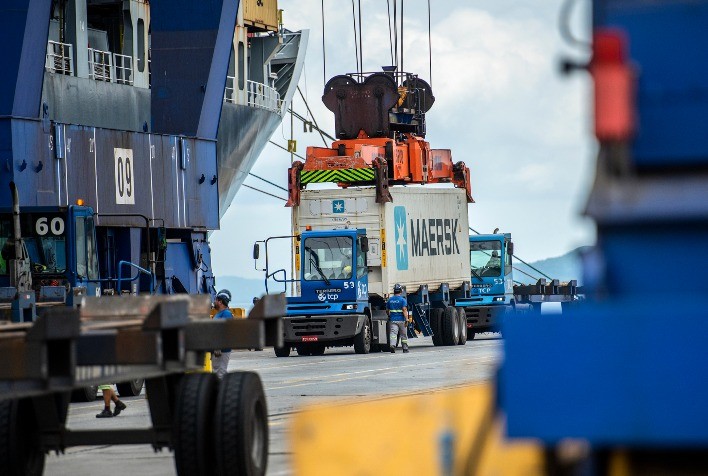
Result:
99,72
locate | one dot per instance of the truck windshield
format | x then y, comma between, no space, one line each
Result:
485,258
327,258
45,239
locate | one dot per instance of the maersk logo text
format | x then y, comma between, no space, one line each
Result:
401,236
434,236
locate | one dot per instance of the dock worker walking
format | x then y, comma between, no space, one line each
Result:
220,358
397,307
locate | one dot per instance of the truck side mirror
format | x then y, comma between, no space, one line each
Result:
365,244
256,251
510,247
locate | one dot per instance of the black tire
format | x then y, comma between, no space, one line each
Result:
362,341
241,426
317,349
282,351
85,394
436,325
462,316
20,453
132,388
193,435
303,350
450,326
470,333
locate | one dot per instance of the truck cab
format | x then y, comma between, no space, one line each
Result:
61,247
331,305
492,285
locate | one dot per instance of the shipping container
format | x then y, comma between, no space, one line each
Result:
421,238
261,14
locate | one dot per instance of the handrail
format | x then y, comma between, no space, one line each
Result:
60,58
119,282
100,65
124,68
257,95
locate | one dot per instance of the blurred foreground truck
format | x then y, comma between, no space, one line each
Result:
106,194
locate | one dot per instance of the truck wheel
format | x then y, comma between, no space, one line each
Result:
192,428
318,349
303,350
436,325
241,426
463,325
282,351
362,341
450,326
130,389
85,394
20,453
470,333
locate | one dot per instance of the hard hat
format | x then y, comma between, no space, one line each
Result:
224,296
347,270
397,289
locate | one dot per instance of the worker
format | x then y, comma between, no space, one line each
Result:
494,260
346,273
108,396
397,308
220,358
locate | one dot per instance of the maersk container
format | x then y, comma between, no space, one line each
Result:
421,238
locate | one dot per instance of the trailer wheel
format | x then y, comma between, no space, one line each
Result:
436,325
450,326
470,333
85,394
282,351
132,388
463,325
362,341
20,453
192,429
241,426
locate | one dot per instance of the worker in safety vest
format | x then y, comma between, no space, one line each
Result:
220,357
397,307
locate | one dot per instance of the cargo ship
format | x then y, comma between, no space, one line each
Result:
98,73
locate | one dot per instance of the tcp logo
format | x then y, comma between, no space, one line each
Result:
401,236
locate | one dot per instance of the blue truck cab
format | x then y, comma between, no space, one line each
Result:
491,283
333,306
60,243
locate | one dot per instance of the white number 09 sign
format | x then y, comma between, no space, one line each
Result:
125,186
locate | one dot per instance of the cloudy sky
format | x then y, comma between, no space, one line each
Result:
501,106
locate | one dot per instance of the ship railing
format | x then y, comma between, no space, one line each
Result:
256,95
60,58
124,68
100,65
264,96
229,90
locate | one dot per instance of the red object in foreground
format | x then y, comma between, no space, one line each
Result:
614,86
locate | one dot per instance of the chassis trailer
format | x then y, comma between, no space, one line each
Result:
162,339
350,251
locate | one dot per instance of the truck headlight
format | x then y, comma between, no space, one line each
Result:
498,299
349,307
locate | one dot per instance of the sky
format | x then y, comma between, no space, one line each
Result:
501,106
